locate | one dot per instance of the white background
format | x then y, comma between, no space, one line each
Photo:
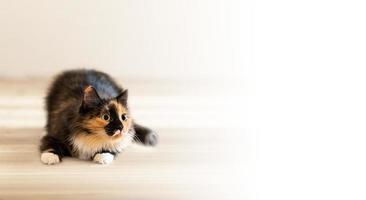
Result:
154,39
309,58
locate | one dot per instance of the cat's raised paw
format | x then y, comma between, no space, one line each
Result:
103,158
151,139
49,158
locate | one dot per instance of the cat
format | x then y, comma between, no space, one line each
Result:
88,118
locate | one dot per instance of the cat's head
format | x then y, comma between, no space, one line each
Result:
108,118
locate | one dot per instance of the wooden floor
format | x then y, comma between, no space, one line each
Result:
205,151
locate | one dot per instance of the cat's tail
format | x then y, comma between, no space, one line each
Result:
145,135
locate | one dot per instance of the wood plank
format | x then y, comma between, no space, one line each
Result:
197,157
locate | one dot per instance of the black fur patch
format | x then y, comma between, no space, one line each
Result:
55,146
114,123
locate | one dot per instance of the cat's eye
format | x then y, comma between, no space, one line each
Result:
124,117
106,117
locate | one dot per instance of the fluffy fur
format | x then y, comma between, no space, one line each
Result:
88,118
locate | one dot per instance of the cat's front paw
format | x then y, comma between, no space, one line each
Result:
50,158
151,138
103,158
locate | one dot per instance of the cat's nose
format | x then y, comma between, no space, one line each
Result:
117,132
120,127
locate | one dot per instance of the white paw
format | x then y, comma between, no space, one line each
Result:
103,158
49,158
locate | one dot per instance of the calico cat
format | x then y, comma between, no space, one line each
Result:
88,118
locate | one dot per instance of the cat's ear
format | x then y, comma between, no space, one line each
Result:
122,98
91,97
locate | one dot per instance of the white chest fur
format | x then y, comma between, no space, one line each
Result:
85,146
